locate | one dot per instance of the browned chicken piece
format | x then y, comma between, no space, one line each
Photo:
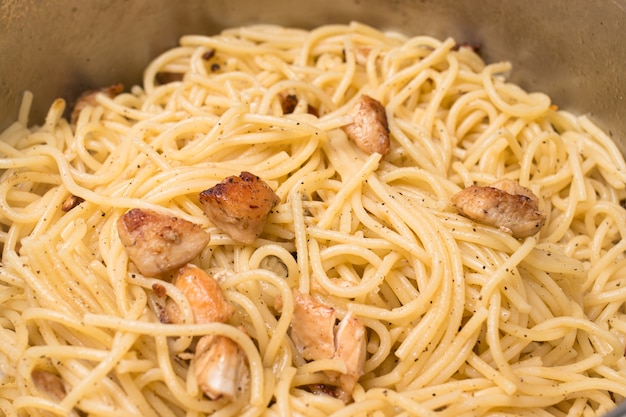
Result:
221,368
514,188
49,383
88,98
312,327
71,202
206,298
166,77
239,206
208,54
288,103
475,47
350,347
157,243
361,53
325,389
504,204
316,336
369,129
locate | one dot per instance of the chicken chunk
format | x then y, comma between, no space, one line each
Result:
220,367
71,202
361,54
157,243
350,348
206,298
49,383
312,327
289,102
316,336
505,204
514,188
369,129
166,77
239,206
88,98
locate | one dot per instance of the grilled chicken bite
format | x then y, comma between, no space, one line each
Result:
289,102
239,206
49,383
369,129
350,347
312,327
71,202
220,367
206,298
505,204
361,54
316,336
157,243
88,98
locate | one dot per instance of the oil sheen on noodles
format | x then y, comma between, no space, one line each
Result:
462,319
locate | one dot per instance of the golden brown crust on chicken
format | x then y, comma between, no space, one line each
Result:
289,102
71,202
239,206
157,243
88,98
505,204
514,188
220,367
166,77
205,296
369,129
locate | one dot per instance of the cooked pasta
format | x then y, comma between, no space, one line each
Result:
461,318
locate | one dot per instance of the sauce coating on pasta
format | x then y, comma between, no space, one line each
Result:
417,308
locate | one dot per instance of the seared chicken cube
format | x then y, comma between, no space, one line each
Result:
221,368
88,98
369,129
316,336
312,327
49,383
289,102
157,243
350,347
505,204
514,188
71,202
166,77
239,206
361,54
205,296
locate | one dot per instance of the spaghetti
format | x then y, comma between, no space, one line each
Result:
461,318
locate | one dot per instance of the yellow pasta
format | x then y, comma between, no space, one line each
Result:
461,318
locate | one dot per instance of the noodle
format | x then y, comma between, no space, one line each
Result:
461,318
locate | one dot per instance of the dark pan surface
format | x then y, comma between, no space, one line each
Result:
571,50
